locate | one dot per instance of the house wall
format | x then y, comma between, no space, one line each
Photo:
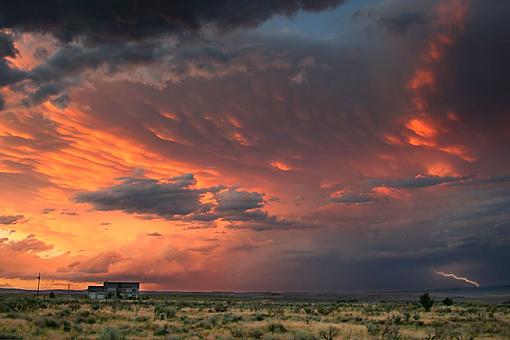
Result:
96,295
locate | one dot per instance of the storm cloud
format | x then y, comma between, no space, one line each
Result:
112,34
131,20
177,198
316,150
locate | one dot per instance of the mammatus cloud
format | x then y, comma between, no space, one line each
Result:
453,276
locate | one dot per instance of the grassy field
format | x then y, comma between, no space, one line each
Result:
232,317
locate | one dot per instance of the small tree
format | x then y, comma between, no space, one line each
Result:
448,301
52,295
426,302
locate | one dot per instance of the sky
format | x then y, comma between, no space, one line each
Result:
292,145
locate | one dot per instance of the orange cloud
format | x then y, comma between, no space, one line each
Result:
421,128
280,166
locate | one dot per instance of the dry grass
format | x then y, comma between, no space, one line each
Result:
188,317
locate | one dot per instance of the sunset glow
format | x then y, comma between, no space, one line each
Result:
274,146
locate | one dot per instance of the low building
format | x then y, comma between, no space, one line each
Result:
96,292
114,290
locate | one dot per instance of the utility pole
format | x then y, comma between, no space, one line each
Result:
68,293
38,283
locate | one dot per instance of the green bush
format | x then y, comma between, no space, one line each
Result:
448,301
426,302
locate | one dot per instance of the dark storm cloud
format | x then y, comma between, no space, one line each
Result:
178,199
470,236
402,22
8,75
233,200
415,182
271,223
7,48
131,20
363,192
167,199
354,198
473,81
114,33
11,219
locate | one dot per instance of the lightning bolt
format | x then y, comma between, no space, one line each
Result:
453,276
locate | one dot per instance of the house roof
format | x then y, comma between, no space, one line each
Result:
122,284
95,289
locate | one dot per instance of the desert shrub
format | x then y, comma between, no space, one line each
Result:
219,308
256,333
397,320
325,310
448,301
406,315
49,322
21,305
237,332
66,326
161,330
258,317
229,317
390,332
329,333
74,306
276,328
373,328
141,318
309,310
15,315
84,313
426,302
112,333
8,336
300,335
52,295
209,322
164,312
64,312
